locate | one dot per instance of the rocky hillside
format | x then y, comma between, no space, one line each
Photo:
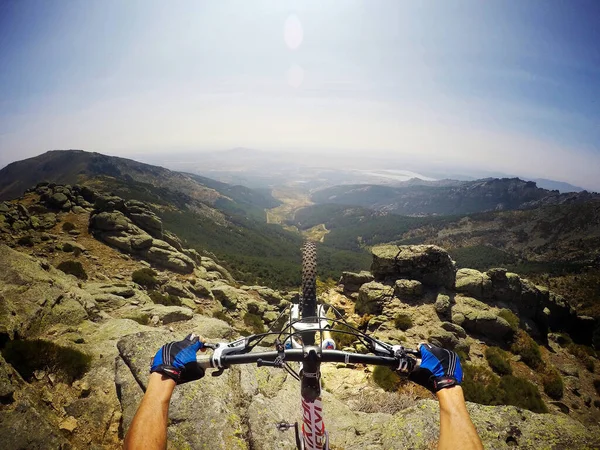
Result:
417,199
101,284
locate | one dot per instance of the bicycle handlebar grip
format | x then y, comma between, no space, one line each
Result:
204,362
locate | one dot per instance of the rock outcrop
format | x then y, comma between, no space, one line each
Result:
428,264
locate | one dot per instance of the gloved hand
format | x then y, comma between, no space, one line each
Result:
177,360
440,368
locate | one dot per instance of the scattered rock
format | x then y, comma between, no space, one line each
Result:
69,424
371,297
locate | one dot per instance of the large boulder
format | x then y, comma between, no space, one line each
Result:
474,283
476,317
428,264
353,281
371,298
408,288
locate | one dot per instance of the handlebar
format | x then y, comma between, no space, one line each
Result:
405,364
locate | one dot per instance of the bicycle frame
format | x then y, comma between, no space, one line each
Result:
314,436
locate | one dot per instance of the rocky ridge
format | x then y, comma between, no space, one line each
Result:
118,323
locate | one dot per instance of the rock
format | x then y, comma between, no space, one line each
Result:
371,298
69,424
443,306
72,246
176,288
167,314
173,260
562,407
569,369
24,427
7,389
201,288
353,281
428,264
227,295
408,288
443,338
109,221
58,199
454,329
500,427
270,316
211,266
474,283
78,209
475,317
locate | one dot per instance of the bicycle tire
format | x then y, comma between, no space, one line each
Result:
308,305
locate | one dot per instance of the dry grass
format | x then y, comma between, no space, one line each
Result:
383,402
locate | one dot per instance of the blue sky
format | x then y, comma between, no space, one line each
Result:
504,86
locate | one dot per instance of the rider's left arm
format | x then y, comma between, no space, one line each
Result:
148,429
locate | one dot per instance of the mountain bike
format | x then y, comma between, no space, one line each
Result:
306,339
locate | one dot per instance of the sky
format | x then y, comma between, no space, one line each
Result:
504,86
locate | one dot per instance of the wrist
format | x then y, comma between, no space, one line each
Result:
450,398
161,386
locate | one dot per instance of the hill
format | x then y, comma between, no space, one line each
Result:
227,222
446,197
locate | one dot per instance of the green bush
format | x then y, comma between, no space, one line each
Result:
386,378
343,339
553,383
167,300
145,277
528,349
522,393
510,317
481,385
403,322
584,354
29,356
25,241
498,360
73,268
255,322
222,316
68,226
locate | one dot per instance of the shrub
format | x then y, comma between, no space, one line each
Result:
597,385
528,349
584,354
498,360
29,356
73,268
343,339
510,317
481,385
68,226
255,322
222,316
553,383
145,277
167,300
522,393
25,241
403,322
386,378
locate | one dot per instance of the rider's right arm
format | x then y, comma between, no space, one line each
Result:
456,428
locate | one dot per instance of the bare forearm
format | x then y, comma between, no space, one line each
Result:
456,428
148,429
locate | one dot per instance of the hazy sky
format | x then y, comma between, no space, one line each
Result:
505,86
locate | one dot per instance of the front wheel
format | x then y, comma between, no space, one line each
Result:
308,301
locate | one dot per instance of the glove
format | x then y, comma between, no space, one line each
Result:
177,360
439,369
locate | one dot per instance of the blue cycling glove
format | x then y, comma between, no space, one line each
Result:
177,360
439,369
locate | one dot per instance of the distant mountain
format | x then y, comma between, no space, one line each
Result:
560,186
446,197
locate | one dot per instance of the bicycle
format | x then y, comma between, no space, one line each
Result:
306,319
